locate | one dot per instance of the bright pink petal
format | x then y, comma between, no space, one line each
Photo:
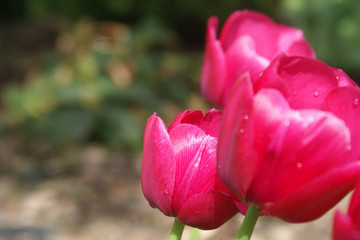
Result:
343,79
269,37
236,159
259,27
195,154
212,120
207,210
178,119
293,42
158,165
314,198
214,66
344,102
241,56
305,82
242,23
344,228
293,146
209,123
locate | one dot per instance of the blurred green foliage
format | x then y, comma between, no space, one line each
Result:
333,29
102,70
102,83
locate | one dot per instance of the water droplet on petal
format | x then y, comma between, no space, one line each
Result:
246,117
297,116
196,164
287,123
337,77
316,93
261,73
348,147
299,165
241,130
166,191
356,102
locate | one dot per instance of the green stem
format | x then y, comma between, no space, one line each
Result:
247,227
177,230
194,234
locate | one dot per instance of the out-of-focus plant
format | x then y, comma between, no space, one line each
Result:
332,28
103,78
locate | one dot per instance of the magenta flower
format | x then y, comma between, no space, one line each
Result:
290,144
179,172
248,42
347,226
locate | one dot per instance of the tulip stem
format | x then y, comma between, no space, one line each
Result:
177,230
247,227
194,234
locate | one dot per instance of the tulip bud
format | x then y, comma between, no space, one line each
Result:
179,172
249,41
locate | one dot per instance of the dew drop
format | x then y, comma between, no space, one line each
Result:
246,117
287,123
196,164
261,73
356,102
166,191
297,116
299,165
348,147
337,77
316,93
241,130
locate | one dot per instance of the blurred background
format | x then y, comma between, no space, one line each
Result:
78,80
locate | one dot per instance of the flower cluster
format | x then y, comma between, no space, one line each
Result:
286,140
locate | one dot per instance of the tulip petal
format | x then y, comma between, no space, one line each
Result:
343,79
344,228
242,23
241,56
292,42
209,123
195,154
270,38
178,119
207,210
158,165
344,102
314,198
292,146
214,67
236,164
305,82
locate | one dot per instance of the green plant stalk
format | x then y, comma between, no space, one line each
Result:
247,227
194,234
177,230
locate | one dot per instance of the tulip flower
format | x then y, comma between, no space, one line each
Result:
179,171
347,226
249,41
289,145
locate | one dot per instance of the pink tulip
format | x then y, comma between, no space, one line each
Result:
347,226
179,173
249,41
289,144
